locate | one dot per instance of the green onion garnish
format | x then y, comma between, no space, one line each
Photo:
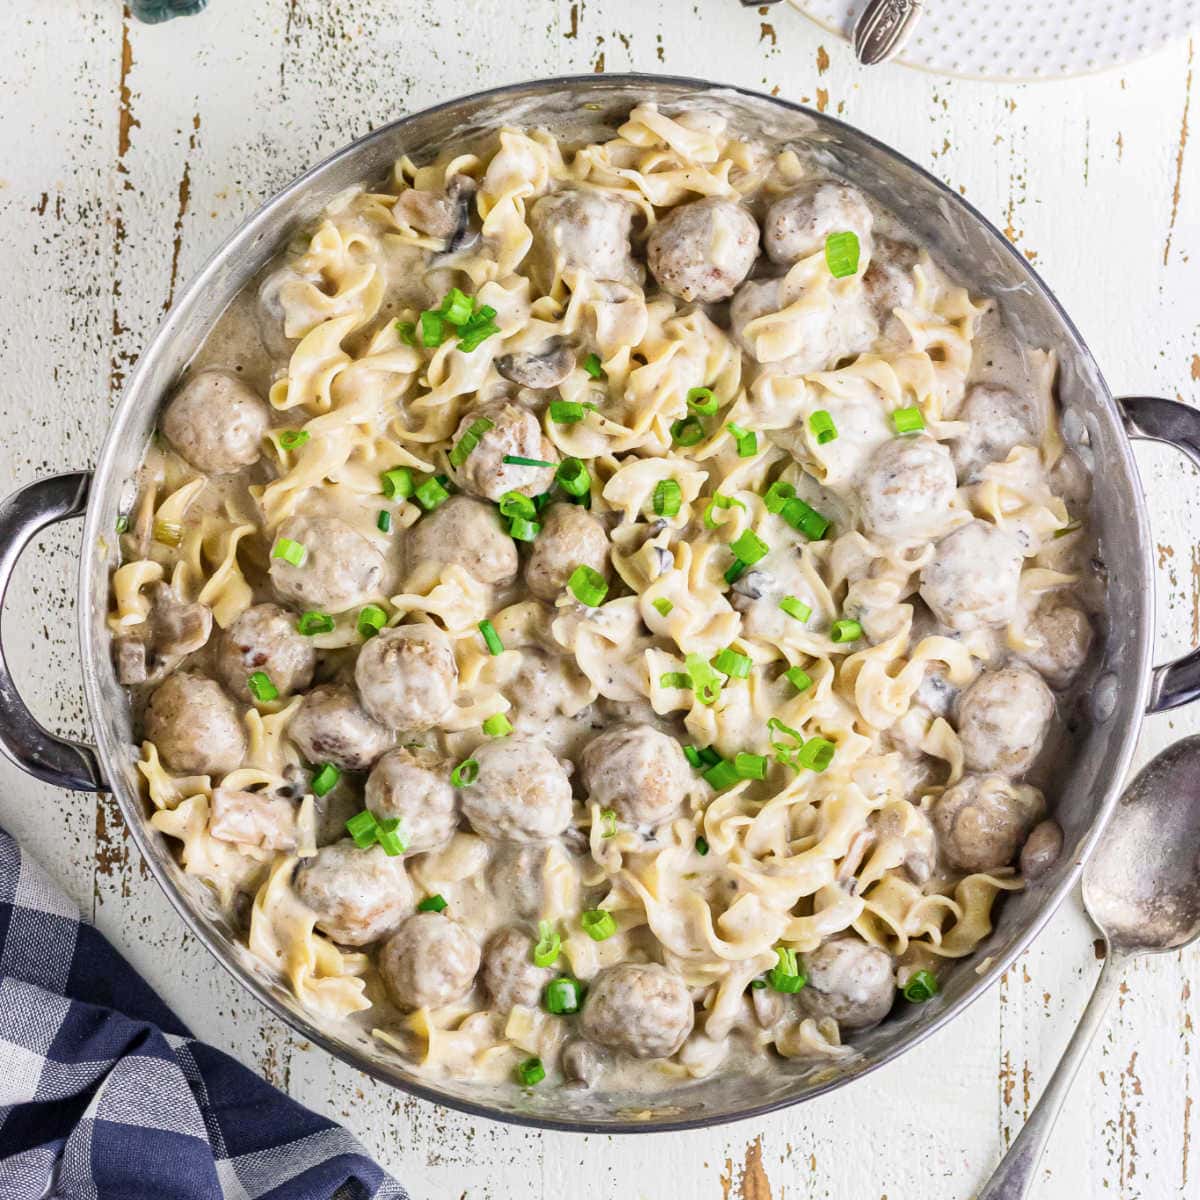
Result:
795,608
432,493
289,551
730,662
675,679
312,623
709,756
383,522
497,726
594,367
457,307
841,253
824,430
608,822
465,773
785,753
325,780
523,530
389,837
805,518
668,496
491,638
397,483
786,975
662,606
371,620
407,331
461,450
692,754
721,775
261,687
706,683
758,984
816,754
169,533
563,996
548,946
748,547
363,828
598,924
845,631
433,329
122,523
687,431
434,903
517,504
519,460
777,495
293,439
735,571
473,335
750,766
907,420
531,1072
702,400
573,477
798,678
587,585
719,502
746,440
568,412
921,986
701,846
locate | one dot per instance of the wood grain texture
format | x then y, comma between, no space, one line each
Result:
128,152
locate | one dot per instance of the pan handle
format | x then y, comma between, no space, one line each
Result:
1148,418
34,749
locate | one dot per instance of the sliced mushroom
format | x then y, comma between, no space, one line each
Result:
174,628
539,371
444,215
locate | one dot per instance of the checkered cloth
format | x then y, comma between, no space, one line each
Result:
104,1095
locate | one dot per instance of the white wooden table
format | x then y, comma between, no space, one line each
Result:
127,153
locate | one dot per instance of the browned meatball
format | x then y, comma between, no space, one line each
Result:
407,676
429,961
195,726
509,973
216,422
358,896
983,820
997,420
703,250
908,489
971,581
581,230
1002,720
517,871
849,980
265,638
522,793
331,726
514,432
888,282
642,1009
464,533
414,787
253,819
1065,631
638,772
341,569
799,222
570,537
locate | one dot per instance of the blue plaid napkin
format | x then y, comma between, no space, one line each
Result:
104,1094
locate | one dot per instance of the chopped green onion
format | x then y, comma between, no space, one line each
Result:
541,500
568,412
598,924
798,678
693,756
841,253
687,431
668,496
777,495
587,585
706,683
795,608
461,450
363,828
407,331
786,975
289,551
312,623
758,984
389,837
383,522
749,547
593,367
746,440
719,502
478,328
371,620
573,477
519,460
517,504
293,439
750,766
548,946
397,483
921,986
721,775
783,752
735,571
261,687
497,726
122,523
675,679
491,638
608,821
805,518
816,754
433,329
709,756
701,846
730,662
531,1072
325,780
824,430
702,400
523,530
434,903
432,493
845,631
456,307
563,996
662,606
907,420
465,773
170,533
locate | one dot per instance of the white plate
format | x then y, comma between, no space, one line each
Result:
1026,39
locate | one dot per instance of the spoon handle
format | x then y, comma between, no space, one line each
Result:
1013,1178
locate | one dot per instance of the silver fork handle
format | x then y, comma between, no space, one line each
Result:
883,28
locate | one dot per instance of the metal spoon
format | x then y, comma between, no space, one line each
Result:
883,28
1141,889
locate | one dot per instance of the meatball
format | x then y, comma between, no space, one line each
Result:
331,726
509,973
581,230
638,772
907,492
703,250
341,569
888,281
407,676
971,580
429,961
1002,720
570,536
983,819
997,420
799,222
358,896
514,432
264,638
1066,638
195,726
414,786
216,422
464,533
640,1008
849,980
522,793
517,872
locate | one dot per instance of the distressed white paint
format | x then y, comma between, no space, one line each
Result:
1091,176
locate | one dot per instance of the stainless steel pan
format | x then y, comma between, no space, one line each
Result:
1126,688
